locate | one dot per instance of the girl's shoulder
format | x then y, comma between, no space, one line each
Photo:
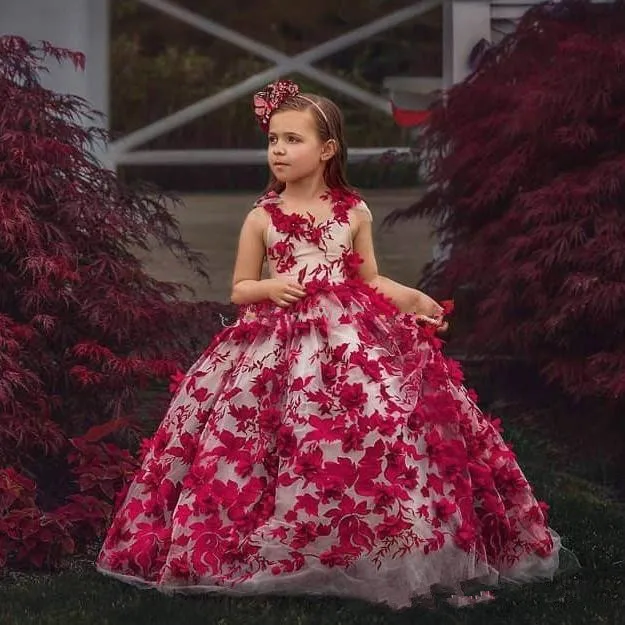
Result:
266,199
265,206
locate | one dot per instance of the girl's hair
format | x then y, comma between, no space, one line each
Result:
330,125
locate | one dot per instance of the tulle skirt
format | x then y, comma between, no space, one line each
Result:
330,448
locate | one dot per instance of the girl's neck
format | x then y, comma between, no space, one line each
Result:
305,190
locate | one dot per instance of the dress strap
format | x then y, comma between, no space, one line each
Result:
269,197
364,210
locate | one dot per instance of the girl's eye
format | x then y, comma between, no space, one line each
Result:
274,140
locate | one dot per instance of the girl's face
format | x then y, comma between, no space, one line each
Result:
295,150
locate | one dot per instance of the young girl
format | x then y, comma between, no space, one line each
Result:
323,444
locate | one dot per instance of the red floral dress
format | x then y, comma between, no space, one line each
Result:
327,448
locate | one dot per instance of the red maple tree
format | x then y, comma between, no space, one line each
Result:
83,328
527,174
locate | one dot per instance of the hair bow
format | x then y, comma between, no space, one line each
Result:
270,98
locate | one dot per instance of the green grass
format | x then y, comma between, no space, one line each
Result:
590,521
591,597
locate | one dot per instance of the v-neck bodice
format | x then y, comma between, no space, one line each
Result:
301,249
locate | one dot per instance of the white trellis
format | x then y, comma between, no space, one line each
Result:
83,25
121,151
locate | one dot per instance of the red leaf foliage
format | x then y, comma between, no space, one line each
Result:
527,173
83,329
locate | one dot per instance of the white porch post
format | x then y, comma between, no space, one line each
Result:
81,25
465,22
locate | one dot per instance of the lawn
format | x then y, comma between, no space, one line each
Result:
587,516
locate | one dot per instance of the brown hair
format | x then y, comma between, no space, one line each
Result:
329,127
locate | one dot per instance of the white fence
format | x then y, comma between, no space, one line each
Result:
123,150
83,24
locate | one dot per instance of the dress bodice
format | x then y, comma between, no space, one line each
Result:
301,249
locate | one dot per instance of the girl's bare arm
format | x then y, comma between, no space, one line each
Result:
406,299
247,285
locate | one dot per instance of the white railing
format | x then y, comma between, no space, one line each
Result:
228,157
459,30
121,151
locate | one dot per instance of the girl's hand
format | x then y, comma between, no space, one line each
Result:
432,313
284,293
425,306
440,324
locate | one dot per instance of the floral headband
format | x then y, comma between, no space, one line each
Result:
273,96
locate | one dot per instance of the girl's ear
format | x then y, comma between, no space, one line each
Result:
328,150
